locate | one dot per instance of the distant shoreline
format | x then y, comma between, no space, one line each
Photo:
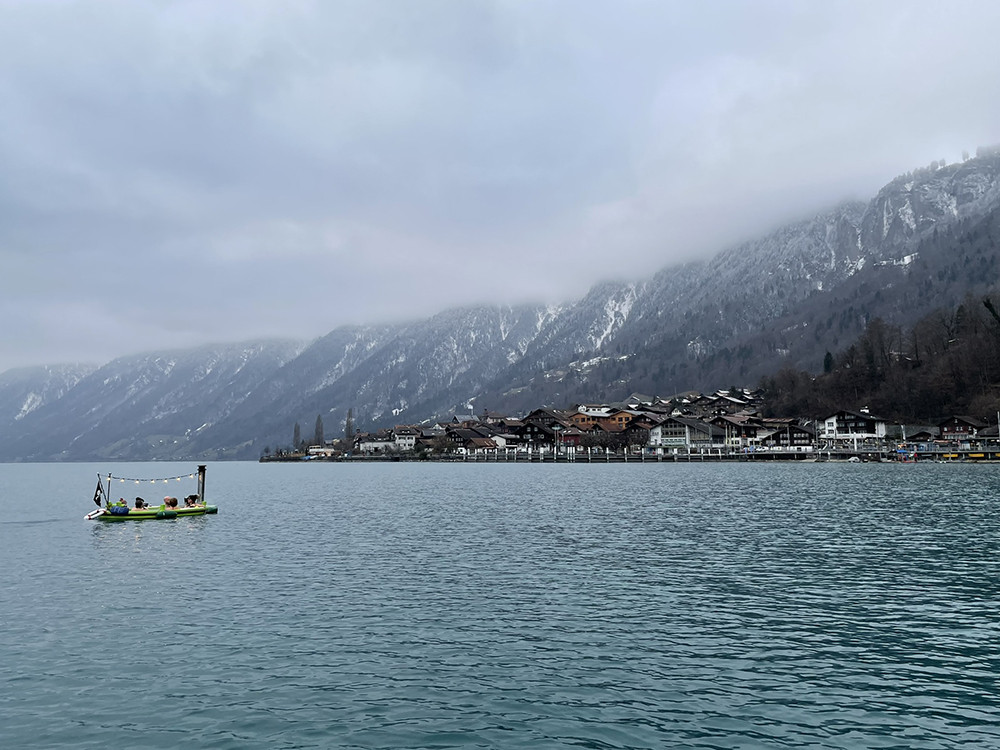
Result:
952,457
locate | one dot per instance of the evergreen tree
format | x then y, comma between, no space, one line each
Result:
318,434
349,428
296,437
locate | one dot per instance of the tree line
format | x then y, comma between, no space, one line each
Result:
300,444
947,363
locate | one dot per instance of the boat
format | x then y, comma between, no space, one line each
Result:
120,511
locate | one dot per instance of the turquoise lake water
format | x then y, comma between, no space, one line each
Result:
505,606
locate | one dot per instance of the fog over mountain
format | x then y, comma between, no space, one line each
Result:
182,173
784,299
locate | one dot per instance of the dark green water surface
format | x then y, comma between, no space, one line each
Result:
505,606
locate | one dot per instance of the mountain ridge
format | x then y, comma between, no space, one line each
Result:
783,298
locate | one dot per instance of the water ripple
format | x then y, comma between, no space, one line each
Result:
513,606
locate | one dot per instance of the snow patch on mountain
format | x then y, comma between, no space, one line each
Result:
615,314
906,214
32,402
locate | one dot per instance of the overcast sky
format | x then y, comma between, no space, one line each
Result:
176,173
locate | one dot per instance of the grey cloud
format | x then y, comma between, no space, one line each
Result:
227,170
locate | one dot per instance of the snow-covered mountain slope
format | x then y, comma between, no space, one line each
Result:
395,374
24,390
145,406
784,298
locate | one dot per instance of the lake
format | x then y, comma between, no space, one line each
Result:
411,605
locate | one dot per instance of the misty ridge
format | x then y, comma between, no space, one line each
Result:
788,302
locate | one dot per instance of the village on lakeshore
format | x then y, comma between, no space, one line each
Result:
725,425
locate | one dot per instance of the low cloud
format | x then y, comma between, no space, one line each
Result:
185,172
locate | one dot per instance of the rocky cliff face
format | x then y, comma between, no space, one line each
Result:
782,298
913,205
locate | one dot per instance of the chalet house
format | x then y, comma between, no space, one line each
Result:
508,425
610,429
684,401
600,410
639,430
639,401
583,421
740,430
585,416
491,417
505,439
479,445
650,404
568,436
460,420
911,433
548,429
430,438
501,440
459,436
686,433
659,407
961,428
726,404
548,417
382,441
406,436
787,434
537,436
617,420
752,397
852,427
700,405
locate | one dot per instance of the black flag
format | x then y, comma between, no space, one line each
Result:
98,493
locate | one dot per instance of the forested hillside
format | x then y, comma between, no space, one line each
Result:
947,363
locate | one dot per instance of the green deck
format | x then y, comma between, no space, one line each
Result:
159,513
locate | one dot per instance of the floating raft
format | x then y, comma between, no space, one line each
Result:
160,512
121,512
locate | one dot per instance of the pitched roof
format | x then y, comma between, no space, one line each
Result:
858,414
480,442
973,421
